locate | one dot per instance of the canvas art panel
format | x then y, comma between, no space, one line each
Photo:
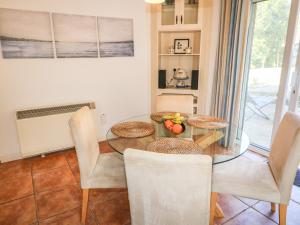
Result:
75,36
25,34
115,37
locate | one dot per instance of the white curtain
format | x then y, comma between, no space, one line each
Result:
230,66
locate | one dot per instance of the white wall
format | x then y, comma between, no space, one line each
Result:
119,86
209,44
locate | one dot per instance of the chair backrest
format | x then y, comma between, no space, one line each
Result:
168,188
175,103
84,134
285,154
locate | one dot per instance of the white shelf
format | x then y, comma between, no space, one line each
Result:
177,91
179,54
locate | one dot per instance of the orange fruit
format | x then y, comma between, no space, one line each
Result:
177,129
169,124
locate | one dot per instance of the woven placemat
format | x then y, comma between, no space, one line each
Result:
133,129
207,122
174,146
158,115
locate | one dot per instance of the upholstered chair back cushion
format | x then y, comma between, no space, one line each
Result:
83,130
175,103
285,154
168,189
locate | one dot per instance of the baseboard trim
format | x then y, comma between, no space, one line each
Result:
10,157
17,156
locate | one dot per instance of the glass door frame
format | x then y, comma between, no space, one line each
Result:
254,147
296,85
285,72
286,68
296,79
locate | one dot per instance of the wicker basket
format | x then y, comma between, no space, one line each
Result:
133,129
174,146
207,122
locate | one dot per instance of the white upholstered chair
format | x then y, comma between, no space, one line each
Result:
271,181
96,170
168,189
175,103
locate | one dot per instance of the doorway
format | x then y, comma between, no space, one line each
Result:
266,54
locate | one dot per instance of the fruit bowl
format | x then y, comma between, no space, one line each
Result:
174,124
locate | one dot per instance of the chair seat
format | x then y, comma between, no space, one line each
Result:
247,178
109,172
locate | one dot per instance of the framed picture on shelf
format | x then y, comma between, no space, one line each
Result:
180,45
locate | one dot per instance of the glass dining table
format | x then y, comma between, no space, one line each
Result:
221,143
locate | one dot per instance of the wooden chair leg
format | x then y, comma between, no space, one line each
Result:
273,207
219,211
85,201
213,203
282,214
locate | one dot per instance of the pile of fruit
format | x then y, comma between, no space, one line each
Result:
174,123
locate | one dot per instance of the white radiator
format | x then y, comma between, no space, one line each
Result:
45,130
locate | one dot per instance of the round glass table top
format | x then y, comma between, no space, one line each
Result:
221,143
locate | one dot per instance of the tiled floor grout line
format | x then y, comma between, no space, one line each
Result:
252,207
298,203
9,201
60,188
95,215
270,209
248,207
69,165
264,214
239,212
245,202
35,200
61,213
48,170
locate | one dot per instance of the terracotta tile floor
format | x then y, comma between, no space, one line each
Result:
46,191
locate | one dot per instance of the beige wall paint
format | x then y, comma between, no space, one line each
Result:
209,46
119,86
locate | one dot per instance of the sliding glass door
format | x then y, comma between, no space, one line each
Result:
292,102
266,49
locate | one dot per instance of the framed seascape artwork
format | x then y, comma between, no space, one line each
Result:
115,37
25,34
75,36
28,34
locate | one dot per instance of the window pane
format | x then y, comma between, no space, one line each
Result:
270,27
191,11
168,12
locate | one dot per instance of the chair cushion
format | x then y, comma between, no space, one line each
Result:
109,172
247,178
